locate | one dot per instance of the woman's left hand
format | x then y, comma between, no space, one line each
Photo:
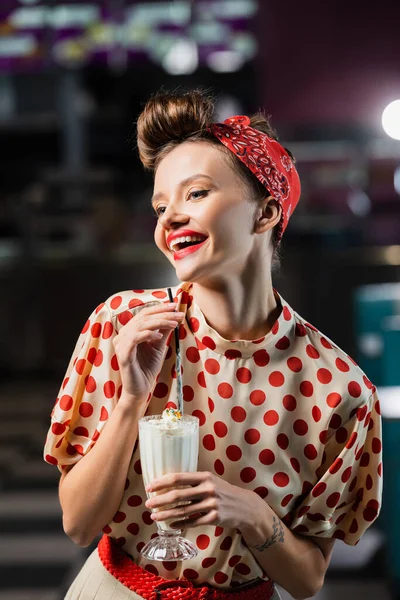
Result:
213,501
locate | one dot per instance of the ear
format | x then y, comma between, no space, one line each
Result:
268,214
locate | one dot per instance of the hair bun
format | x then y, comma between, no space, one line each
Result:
170,118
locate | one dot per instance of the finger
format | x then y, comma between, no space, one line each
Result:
171,480
175,497
180,513
153,309
196,521
157,323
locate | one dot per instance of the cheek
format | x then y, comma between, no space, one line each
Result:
158,237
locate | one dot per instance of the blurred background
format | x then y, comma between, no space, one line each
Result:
76,223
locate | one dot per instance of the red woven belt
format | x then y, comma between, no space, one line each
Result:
153,587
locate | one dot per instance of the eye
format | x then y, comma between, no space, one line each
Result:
157,210
199,193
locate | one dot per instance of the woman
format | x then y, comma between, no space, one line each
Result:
290,429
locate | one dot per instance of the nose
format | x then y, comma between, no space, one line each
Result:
172,217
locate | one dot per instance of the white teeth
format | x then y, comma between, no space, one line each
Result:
189,238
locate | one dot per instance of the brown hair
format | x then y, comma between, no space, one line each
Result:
170,118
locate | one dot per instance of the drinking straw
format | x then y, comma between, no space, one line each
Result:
178,369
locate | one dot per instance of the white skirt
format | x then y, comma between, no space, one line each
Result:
94,582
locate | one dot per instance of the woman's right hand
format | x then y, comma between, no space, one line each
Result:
140,346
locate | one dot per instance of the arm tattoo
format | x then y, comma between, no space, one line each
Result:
278,535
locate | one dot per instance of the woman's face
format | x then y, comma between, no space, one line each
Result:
196,189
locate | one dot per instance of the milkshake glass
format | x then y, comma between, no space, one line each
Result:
169,443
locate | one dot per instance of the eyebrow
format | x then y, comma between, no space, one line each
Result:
181,184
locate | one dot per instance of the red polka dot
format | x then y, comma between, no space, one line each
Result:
188,393
109,389
146,516
108,330
201,380
232,354
58,428
301,331
135,302
295,464
190,574
312,351
234,560
335,421
364,462
242,568
369,482
90,384
161,390
323,436
283,343
119,517
219,467
212,366
294,364
91,357
80,366
326,344
333,500
316,413
103,414
238,414
220,429
85,409
346,474
243,375
182,332
354,389
257,397
341,435
194,324
211,405
266,457
286,313
192,354
225,390
336,466
324,376
95,330
310,452
342,365
286,500
271,417
218,531
151,569
66,402
261,358
275,327
226,543
276,379
281,479
282,441
220,577
208,562
300,427
114,363
124,317
306,388
261,491
252,436
169,565
247,474
289,402
376,445
138,467
319,489
50,459
202,541
333,400
233,452
209,442
116,302
134,500
209,342
159,294
200,415
361,412
371,510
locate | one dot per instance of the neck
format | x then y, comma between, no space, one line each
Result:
238,310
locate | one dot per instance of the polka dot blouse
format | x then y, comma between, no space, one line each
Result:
289,416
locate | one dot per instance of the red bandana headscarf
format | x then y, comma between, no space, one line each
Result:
266,158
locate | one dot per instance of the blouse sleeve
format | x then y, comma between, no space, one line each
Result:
88,393
347,497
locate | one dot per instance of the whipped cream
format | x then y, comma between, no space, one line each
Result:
171,415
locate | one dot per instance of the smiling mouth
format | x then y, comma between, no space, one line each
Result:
187,248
